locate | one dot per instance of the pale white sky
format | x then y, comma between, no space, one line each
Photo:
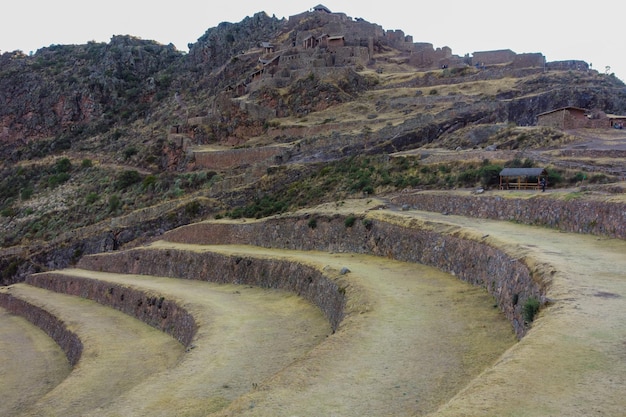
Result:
561,30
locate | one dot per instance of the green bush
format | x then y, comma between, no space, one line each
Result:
130,152
312,223
92,198
57,179
530,309
63,165
468,177
578,177
8,212
554,177
149,181
127,178
349,222
27,193
489,175
114,203
193,208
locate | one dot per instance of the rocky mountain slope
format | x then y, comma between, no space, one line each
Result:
106,145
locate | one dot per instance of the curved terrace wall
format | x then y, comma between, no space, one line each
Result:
306,281
575,215
51,325
155,310
508,279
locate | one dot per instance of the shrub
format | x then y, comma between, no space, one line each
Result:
193,208
114,203
27,193
129,152
349,222
312,223
368,189
530,309
62,165
8,212
468,177
87,163
149,181
554,177
578,177
127,178
58,179
598,178
489,175
92,198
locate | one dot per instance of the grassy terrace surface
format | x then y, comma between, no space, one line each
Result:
119,351
414,341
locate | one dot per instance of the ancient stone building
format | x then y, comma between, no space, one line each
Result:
493,57
564,118
568,65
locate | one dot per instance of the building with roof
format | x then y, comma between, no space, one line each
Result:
521,178
564,118
570,117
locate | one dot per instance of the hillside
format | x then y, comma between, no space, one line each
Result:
263,116
243,201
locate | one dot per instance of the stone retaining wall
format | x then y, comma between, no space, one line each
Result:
575,215
507,278
306,281
47,322
236,157
152,309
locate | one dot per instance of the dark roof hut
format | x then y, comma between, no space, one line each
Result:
521,178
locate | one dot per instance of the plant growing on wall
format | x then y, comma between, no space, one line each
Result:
530,309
